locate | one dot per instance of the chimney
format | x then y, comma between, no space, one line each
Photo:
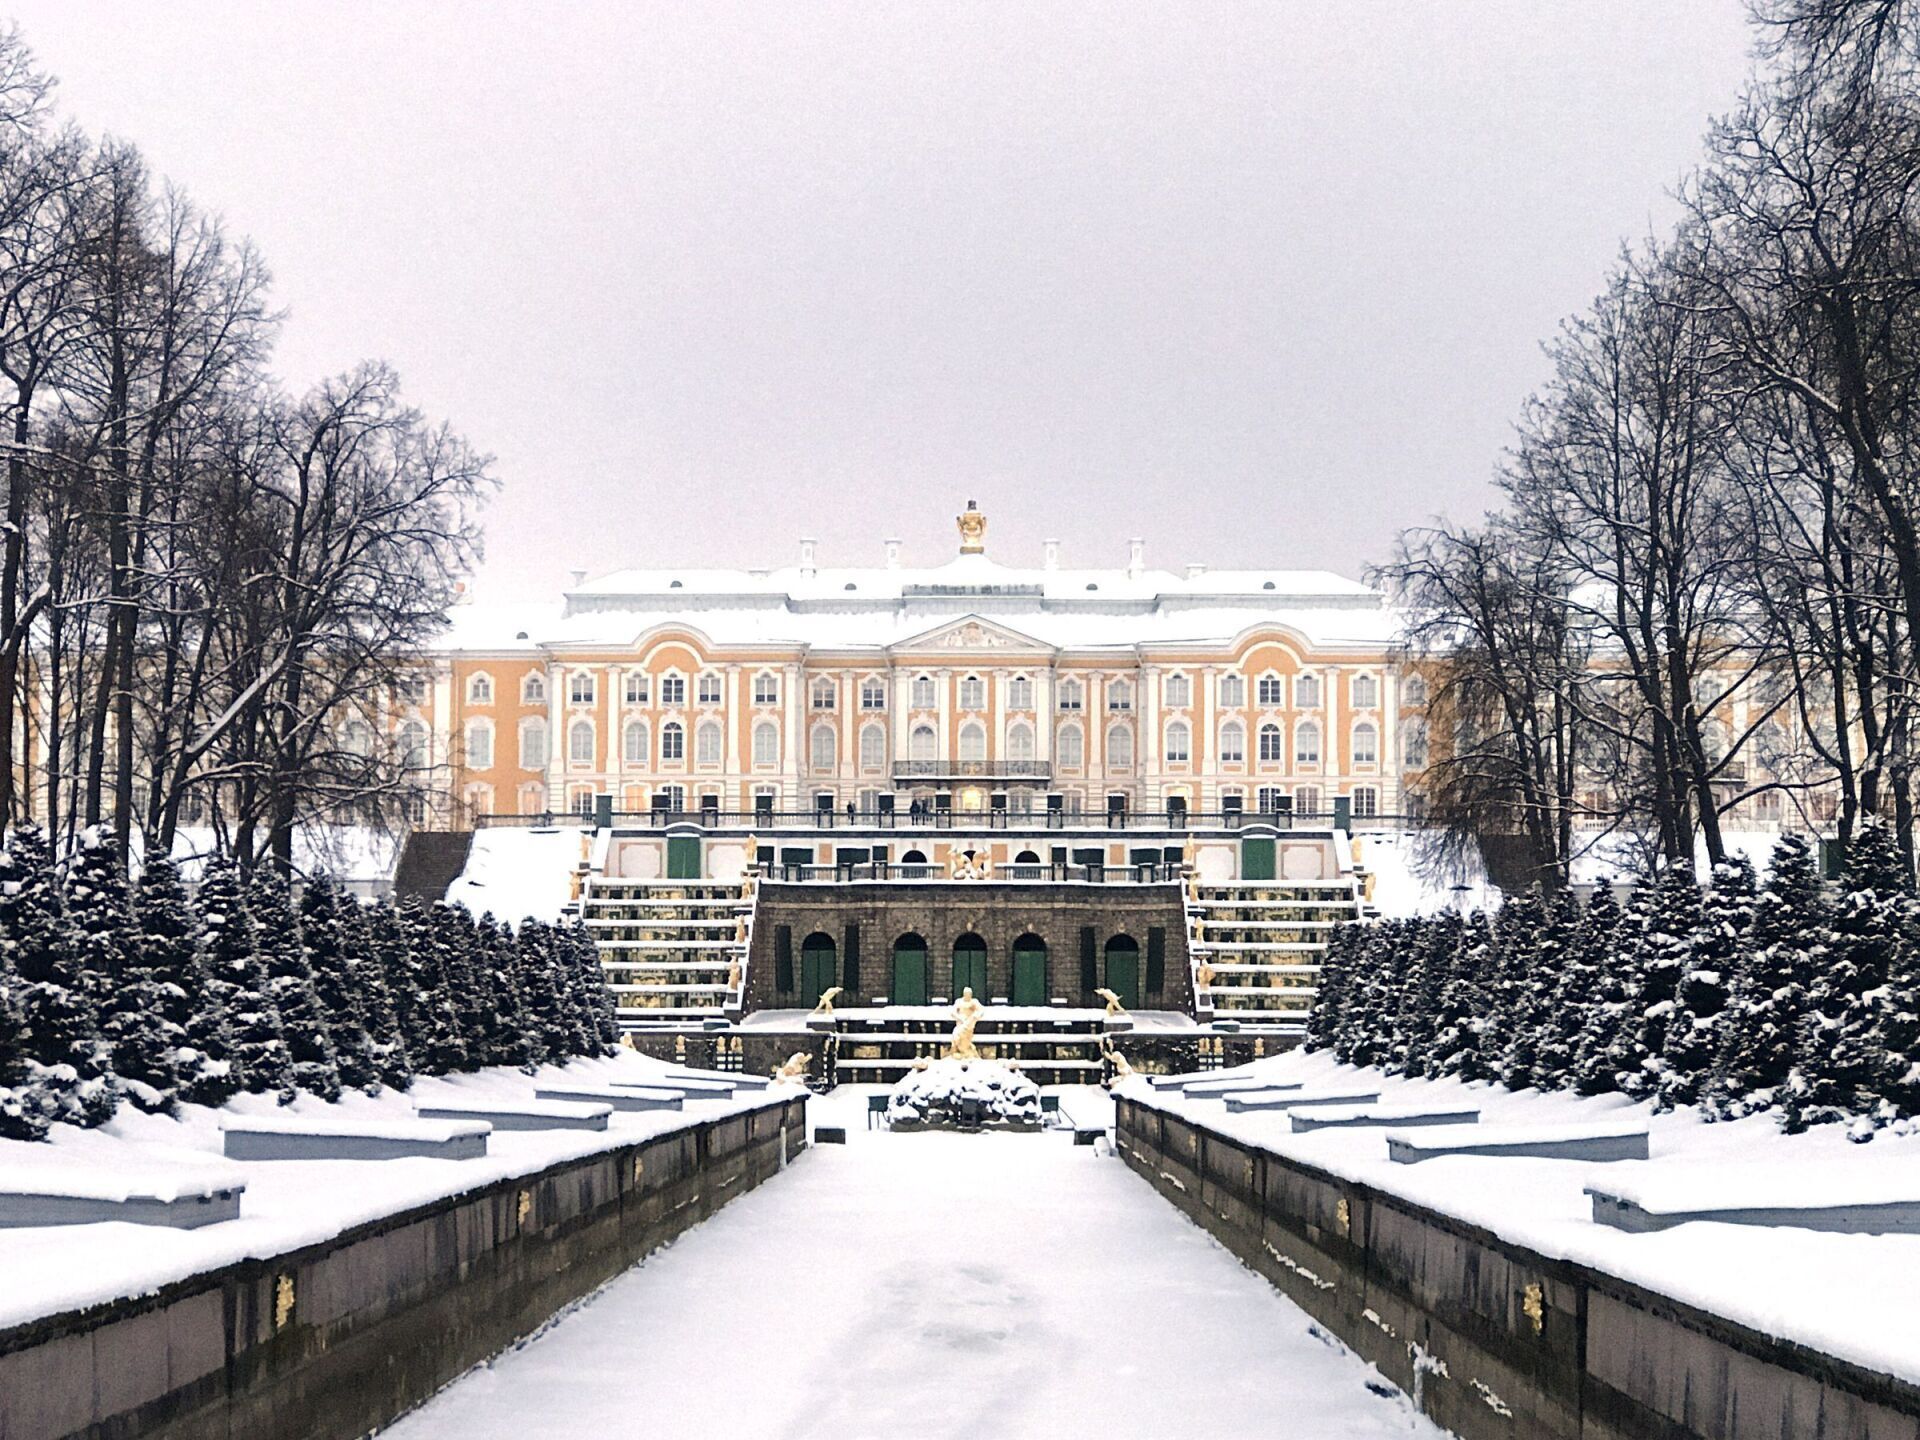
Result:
579,579
893,554
806,558
1050,554
1195,570
1136,558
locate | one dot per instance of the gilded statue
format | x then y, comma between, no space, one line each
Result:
1203,977
825,1007
966,1015
973,530
733,975
1114,1007
1121,1069
795,1070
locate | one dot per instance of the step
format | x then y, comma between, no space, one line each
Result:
617,1097
289,1137
180,1198
518,1114
1621,1141
1857,1204
1273,1099
1348,1117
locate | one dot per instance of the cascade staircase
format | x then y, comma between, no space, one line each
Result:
673,950
1261,942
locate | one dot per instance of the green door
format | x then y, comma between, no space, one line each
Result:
1123,970
1029,970
1256,857
816,967
683,857
970,966
909,971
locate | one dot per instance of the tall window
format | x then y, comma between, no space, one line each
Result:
533,690
1020,741
1271,691
973,741
1271,747
1233,743
824,694
766,744
1119,696
1306,692
1270,800
580,689
673,741
1179,743
706,744
1366,744
1179,692
921,742
479,745
673,689
634,743
766,689
973,693
1366,801
873,747
708,692
1020,693
480,690
637,687
821,744
1119,748
533,744
1306,800
1072,695
1365,691
1306,744
1233,692
1413,744
580,742
873,695
1413,689
1072,748
413,745
923,692
356,738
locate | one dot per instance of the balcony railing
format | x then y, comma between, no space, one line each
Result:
1014,821
972,769
1144,874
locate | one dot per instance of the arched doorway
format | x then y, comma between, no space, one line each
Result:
970,966
816,967
1123,969
909,971
1029,970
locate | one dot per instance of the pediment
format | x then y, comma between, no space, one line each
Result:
971,635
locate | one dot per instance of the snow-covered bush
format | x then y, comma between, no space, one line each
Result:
952,1094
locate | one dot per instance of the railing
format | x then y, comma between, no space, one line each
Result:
972,769
885,871
948,819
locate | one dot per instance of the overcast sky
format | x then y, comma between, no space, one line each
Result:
1262,284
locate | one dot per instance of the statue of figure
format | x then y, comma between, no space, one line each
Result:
966,1015
795,1070
626,1042
825,1007
1121,1069
733,975
1114,1007
973,529
1203,977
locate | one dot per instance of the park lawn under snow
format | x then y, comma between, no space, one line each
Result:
1847,1295
288,1204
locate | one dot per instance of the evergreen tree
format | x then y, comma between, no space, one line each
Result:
600,1018
1714,959
303,1021
262,1063
1456,1031
440,939
368,930
1326,1013
1661,956
1417,1015
1530,1027
21,1117
173,948
506,1037
147,1043
1516,939
1368,1011
69,1059
324,941
1786,948
1613,984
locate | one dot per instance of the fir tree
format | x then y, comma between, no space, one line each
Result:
1530,1026
506,1037
440,939
1714,959
173,949
1661,956
324,947
1516,939
368,930
1326,1013
1417,1015
303,1021
1456,1031
599,1017
21,1117
261,1061
1786,948
533,978
1611,984
147,1042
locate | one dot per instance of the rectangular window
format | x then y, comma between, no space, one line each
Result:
709,690
580,690
1119,696
873,695
1271,691
973,693
766,690
1366,801
637,688
1233,692
673,690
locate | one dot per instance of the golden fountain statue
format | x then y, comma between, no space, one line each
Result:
1203,977
1121,1069
966,1015
795,1070
825,1007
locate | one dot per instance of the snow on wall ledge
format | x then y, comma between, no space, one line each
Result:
515,873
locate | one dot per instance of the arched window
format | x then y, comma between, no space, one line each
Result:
1413,688
1179,692
1119,748
533,744
825,694
634,743
480,689
1233,742
580,688
1306,692
1365,692
580,742
479,745
1233,692
923,692
1072,695
1020,741
1306,744
821,747
1413,744
413,745
921,742
973,693
673,741
533,690
1366,744
1271,691
356,738
973,741
1179,743
706,744
1272,749
1020,693
1119,695
1072,748
873,747
766,744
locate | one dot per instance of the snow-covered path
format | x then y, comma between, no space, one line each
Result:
932,1285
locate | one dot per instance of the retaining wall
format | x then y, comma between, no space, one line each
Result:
1494,1341
336,1340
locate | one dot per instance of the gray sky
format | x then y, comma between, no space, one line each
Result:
1261,283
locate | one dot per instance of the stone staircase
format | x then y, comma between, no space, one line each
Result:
673,950
1256,946
430,861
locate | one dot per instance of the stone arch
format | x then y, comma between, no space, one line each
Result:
909,970
1122,969
1029,970
970,965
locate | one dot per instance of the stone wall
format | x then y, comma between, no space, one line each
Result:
1494,1341
941,912
339,1339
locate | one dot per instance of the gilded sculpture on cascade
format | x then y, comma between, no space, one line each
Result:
966,1015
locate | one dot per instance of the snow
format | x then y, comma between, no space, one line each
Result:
516,872
288,1203
1828,1291
1402,864
432,1131
1441,1137
44,1175
1683,1189
934,1285
942,1094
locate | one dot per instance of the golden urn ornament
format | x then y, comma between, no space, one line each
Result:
973,529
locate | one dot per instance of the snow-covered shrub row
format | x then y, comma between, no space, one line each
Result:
1748,998
112,992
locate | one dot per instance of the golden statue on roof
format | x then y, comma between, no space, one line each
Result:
973,529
